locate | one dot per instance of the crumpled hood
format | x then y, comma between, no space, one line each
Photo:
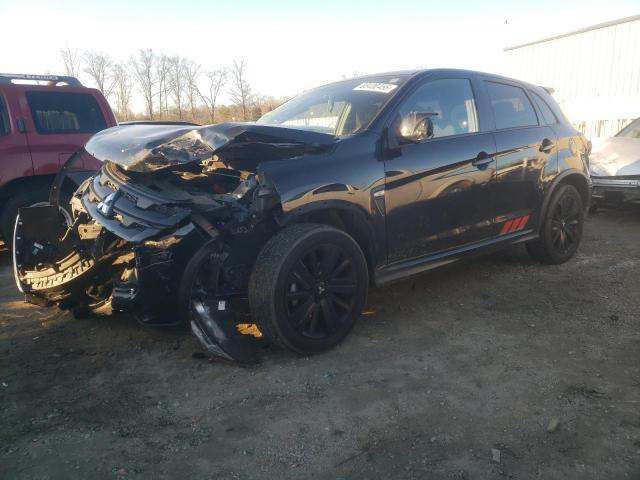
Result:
146,148
616,156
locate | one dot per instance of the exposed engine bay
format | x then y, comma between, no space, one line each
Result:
168,229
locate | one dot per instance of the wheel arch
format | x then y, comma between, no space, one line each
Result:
573,177
347,217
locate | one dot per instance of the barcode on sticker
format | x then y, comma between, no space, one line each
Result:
376,87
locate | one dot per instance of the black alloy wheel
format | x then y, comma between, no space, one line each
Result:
308,287
566,224
320,294
561,228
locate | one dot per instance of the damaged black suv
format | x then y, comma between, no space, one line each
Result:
278,227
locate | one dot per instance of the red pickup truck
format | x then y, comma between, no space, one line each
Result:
44,119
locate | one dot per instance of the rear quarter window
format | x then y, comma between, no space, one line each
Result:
511,106
630,131
65,112
547,113
4,118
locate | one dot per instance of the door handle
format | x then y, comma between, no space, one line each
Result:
20,125
482,160
546,146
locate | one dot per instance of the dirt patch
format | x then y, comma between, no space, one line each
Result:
495,368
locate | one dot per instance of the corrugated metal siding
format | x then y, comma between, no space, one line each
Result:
595,74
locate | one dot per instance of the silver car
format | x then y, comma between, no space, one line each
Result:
615,167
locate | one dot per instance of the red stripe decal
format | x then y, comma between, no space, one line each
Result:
506,227
514,227
523,222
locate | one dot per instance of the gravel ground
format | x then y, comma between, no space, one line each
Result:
495,368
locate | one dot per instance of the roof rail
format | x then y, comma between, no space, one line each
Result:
549,90
52,79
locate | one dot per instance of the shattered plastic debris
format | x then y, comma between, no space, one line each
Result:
249,329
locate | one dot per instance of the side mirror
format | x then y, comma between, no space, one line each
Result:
416,127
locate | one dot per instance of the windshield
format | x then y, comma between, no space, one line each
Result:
630,131
340,109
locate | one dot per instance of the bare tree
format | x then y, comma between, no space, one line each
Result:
241,91
123,90
192,72
98,66
145,73
216,81
163,73
169,85
71,61
178,82
264,104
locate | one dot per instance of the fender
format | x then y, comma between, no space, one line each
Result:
375,240
560,178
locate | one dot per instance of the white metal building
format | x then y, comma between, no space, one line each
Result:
595,72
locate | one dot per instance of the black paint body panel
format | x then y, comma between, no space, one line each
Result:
428,201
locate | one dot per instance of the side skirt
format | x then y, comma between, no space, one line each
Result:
414,266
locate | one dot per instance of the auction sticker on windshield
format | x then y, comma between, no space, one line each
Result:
376,87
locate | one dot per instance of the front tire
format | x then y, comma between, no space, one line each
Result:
308,287
561,230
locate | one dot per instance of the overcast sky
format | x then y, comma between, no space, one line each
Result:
290,46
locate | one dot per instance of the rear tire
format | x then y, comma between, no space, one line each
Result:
25,198
308,287
561,229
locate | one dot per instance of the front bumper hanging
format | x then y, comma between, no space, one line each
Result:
153,280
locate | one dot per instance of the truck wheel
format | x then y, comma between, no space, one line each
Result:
561,229
308,287
10,211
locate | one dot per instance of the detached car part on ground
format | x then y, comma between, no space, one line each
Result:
615,167
278,228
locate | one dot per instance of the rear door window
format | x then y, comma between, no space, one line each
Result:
511,106
4,118
65,112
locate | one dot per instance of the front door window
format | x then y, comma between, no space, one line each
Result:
450,101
